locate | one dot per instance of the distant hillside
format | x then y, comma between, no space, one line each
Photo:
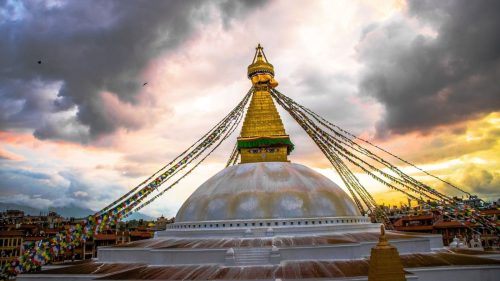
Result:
139,216
27,210
67,212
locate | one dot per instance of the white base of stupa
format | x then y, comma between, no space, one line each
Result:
262,245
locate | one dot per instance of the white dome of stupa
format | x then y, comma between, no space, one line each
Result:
266,190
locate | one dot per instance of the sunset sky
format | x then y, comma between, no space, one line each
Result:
419,78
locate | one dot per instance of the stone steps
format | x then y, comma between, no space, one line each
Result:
253,256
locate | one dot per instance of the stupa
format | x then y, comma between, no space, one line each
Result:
267,218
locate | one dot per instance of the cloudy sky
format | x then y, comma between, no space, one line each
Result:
419,78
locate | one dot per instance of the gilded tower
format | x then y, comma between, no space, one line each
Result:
263,137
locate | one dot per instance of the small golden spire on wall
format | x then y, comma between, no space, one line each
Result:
385,263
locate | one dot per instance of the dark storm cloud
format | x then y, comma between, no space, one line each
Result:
331,95
425,81
237,8
87,47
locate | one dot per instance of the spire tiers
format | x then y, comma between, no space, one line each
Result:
263,137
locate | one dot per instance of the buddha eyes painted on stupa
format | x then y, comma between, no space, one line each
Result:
254,150
268,150
272,149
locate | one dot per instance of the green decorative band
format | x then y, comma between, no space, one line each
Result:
260,142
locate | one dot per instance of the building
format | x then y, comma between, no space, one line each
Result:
17,229
432,221
267,218
161,223
10,245
11,217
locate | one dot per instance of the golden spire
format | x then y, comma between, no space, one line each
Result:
382,240
261,71
263,137
385,263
